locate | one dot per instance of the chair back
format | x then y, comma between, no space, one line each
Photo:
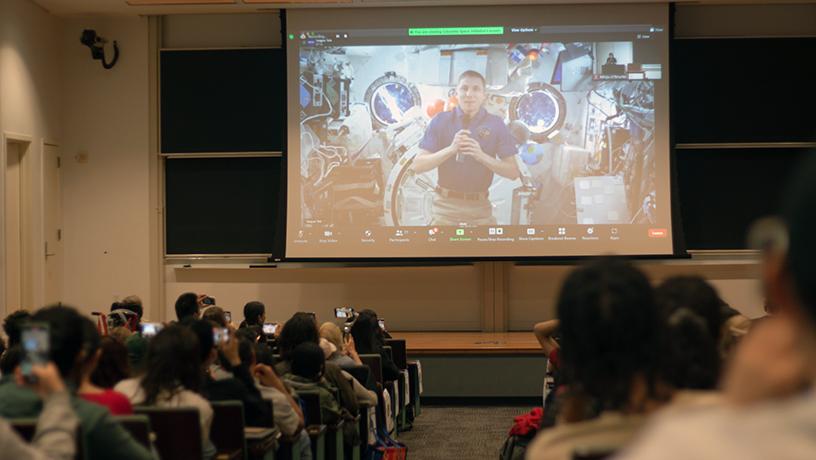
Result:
374,363
177,429
26,427
400,352
138,426
227,430
360,373
311,407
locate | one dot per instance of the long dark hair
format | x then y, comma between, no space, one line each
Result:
690,358
113,364
695,294
300,328
609,331
173,359
367,333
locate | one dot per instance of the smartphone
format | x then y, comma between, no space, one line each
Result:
208,300
382,323
344,312
151,329
220,335
36,348
228,316
270,328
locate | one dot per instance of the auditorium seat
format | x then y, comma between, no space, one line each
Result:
177,429
139,427
322,437
26,427
227,430
399,354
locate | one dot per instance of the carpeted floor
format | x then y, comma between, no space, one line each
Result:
468,433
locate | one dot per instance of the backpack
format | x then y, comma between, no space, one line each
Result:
524,429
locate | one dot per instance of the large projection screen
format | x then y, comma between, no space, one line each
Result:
478,132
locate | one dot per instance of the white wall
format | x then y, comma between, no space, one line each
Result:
106,198
30,103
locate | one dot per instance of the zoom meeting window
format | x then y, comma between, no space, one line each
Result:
478,132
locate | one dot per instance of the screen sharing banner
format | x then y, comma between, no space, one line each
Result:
478,132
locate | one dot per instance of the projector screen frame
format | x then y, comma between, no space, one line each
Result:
678,249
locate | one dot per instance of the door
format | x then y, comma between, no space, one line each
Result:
13,228
52,209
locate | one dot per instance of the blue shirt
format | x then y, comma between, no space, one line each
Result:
468,175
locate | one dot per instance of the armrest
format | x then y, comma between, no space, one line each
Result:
316,431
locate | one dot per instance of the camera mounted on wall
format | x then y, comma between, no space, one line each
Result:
96,43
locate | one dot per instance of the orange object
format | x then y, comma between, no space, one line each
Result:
435,107
453,102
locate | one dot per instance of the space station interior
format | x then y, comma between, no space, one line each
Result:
585,145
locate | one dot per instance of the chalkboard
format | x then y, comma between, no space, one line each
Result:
222,100
723,191
737,91
223,205
723,91
743,90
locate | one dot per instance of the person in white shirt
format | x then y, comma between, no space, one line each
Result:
769,391
172,378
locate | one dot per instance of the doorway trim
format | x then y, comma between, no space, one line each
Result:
25,142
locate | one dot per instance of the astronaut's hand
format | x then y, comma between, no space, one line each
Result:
459,139
471,148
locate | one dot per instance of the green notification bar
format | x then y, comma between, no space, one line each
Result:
439,31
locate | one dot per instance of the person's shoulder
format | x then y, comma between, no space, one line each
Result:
494,120
129,388
226,388
16,401
116,396
332,369
609,431
90,414
442,117
694,433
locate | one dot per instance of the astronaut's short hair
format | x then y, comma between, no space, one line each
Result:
472,74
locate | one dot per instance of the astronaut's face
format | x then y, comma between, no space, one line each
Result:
471,94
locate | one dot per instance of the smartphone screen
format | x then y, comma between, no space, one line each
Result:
228,315
208,301
342,312
220,335
382,323
151,329
270,328
36,348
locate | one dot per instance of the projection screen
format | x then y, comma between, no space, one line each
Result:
523,131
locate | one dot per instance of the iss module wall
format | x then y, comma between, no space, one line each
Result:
585,143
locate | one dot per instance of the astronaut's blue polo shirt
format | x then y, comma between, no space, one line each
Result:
468,175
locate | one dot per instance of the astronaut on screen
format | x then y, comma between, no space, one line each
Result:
468,145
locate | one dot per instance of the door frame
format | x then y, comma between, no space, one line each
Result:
25,141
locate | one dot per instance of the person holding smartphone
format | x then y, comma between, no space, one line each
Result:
369,338
346,352
237,382
101,433
55,437
173,378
